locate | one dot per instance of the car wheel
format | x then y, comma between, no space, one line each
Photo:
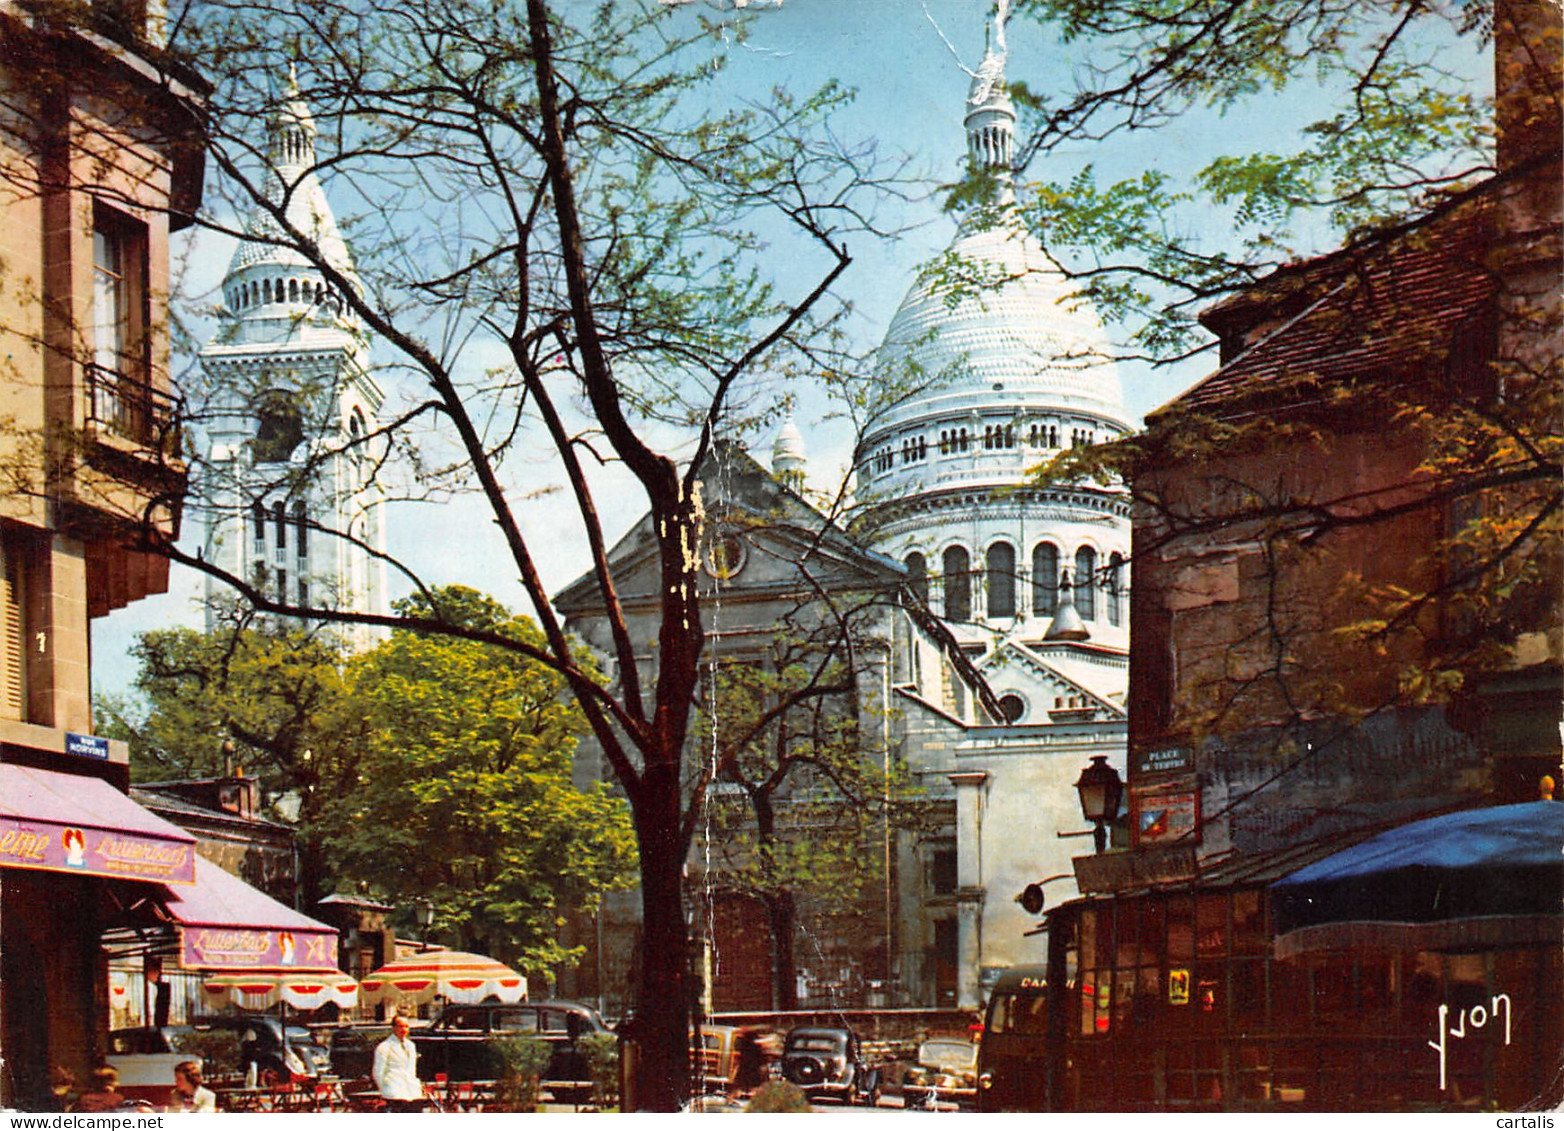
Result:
806,1070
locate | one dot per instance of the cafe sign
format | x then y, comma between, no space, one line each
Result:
55,847
1163,816
227,947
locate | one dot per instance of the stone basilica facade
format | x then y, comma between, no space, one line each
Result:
991,369
1004,659
293,437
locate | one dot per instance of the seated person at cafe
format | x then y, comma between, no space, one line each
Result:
188,1094
103,1095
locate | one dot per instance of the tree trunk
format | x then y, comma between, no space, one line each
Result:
781,910
662,1082
784,972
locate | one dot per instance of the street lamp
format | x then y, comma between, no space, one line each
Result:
1100,788
423,915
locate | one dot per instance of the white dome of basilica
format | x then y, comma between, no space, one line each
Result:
993,315
991,366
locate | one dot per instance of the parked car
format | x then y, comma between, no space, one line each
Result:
145,1057
461,1042
281,1051
224,1044
351,1047
717,1061
828,1061
946,1072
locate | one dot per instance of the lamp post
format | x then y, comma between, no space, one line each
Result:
1100,788
423,915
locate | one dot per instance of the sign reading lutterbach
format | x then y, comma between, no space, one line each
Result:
51,847
216,948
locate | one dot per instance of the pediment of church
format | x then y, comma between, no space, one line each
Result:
761,542
1048,694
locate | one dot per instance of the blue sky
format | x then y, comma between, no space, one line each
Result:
902,56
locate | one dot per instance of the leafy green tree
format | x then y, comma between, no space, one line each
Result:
1397,129
428,768
1407,166
463,795
276,693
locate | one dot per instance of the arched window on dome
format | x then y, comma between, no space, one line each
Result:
266,290
1053,435
1010,435
923,447
1084,591
1001,580
962,439
1114,584
944,442
957,567
918,575
301,520
293,290
1045,579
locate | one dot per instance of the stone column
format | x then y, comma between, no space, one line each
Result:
969,885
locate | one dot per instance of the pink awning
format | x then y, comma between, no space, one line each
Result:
225,923
56,822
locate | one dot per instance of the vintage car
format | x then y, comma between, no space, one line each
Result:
351,1046
145,1057
460,1044
828,1061
717,1062
946,1072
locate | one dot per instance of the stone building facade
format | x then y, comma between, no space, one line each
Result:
990,370
1003,618
1283,716
100,149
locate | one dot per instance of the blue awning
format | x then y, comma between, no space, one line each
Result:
1482,877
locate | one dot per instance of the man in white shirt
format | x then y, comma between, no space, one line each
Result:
396,1070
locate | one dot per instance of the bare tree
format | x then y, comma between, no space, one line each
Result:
558,248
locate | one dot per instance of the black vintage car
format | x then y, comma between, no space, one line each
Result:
828,1061
460,1043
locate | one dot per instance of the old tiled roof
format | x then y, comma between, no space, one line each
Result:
1385,314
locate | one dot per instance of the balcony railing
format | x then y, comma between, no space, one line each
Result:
134,410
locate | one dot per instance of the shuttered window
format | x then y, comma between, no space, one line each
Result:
13,683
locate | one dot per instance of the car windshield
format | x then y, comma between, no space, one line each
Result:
816,1044
217,1049
1019,1013
948,1054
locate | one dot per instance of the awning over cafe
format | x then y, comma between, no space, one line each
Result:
224,923
1474,879
56,822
